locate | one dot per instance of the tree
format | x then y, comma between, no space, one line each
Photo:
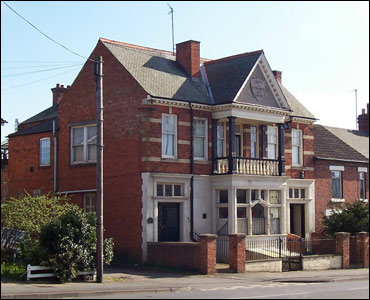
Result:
29,213
354,218
69,244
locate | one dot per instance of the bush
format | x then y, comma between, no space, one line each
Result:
12,271
29,213
354,218
69,244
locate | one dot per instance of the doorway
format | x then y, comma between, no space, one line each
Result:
168,222
297,219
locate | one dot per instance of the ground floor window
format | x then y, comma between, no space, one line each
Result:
258,219
89,203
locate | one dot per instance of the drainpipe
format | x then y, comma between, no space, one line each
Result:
55,158
192,176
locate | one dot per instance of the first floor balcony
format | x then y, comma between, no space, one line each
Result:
246,166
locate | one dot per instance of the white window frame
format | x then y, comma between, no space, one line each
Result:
254,144
174,156
299,146
341,185
275,144
88,202
205,137
362,184
42,153
172,184
85,144
223,149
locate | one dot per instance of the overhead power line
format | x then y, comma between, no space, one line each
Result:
10,75
27,83
46,34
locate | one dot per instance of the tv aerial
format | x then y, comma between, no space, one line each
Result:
173,39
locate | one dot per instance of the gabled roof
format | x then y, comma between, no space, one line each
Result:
49,113
227,75
332,143
158,72
298,110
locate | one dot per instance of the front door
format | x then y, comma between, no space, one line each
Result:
168,222
297,219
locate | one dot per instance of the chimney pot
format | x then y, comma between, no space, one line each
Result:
363,111
58,84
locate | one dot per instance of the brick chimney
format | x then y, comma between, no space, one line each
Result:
188,56
363,120
58,93
277,75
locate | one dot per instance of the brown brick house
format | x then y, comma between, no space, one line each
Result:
191,146
341,168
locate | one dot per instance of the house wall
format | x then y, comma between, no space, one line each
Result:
323,186
24,170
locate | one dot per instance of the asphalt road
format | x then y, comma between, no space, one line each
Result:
351,289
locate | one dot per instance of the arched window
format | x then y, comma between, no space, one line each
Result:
258,219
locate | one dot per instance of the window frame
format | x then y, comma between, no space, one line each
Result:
269,128
205,137
362,185
255,147
332,172
164,183
299,152
85,144
223,139
174,156
41,153
91,206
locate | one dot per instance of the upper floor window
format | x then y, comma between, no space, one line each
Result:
169,136
238,140
253,141
84,140
45,152
220,139
89,203
200,138
271,142
336,178
362,176
296,147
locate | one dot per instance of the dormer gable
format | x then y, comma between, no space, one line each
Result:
261,87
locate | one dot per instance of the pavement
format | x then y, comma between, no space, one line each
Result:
139,280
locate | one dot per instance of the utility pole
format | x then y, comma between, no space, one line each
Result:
98,70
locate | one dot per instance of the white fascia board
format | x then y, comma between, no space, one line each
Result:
251,115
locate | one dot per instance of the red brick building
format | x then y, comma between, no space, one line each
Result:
341,168
191,146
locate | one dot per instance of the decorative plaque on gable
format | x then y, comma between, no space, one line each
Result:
258,87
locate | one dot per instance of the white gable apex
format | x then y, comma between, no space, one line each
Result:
261,87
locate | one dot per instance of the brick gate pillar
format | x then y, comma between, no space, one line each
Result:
207,253
362,249
342,247
237,252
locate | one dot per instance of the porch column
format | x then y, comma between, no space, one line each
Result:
232,145
263,141
214,145
281,141
232,227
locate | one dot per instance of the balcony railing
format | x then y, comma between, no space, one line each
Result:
248,166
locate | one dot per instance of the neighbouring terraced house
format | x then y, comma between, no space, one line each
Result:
191,146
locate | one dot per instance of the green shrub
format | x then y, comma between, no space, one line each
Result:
29,213
354,218
12,271
69,244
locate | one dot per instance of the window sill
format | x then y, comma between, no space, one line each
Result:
364,200
82,164
337,200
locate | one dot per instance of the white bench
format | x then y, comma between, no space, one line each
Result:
33,272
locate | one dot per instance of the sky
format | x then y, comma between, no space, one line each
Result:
321,47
